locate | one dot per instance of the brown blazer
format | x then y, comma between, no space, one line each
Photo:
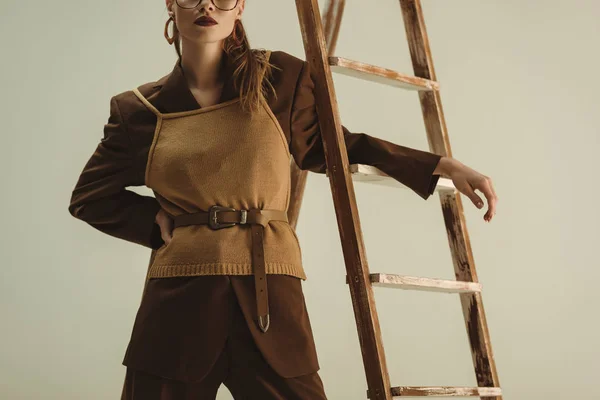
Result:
181,326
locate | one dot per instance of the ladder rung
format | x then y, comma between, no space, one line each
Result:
426,284
377,74
444,391
370,174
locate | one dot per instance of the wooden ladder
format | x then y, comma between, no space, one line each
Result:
316,35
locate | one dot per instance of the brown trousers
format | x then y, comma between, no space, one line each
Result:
240,365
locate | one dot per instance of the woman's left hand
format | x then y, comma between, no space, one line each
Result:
467,180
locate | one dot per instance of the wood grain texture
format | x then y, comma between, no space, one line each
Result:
423,283
342,190
373,175
452,208
380,75
316,39
443,391
332,21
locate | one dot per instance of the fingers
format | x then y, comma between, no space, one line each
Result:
167,230
470,193
166,236
490,194
467,180
485,186
166,226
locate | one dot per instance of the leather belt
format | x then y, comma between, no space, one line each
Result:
218,217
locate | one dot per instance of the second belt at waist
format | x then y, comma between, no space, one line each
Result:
219,217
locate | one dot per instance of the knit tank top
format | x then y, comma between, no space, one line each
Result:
220,155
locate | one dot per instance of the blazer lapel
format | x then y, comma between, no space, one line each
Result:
175,96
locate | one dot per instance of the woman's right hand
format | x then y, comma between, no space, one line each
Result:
166,225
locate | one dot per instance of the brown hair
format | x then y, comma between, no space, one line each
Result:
246,65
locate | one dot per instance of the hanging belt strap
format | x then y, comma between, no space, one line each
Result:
219,217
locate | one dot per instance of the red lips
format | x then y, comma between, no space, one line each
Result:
205,20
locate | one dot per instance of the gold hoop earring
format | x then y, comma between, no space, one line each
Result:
170,39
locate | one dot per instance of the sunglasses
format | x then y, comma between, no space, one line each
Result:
224,5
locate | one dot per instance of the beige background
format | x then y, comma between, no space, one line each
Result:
520,92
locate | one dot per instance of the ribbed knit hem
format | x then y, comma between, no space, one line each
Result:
175,270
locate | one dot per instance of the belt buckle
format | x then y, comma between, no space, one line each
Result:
212,217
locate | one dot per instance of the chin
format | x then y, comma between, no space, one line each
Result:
199,36
207,32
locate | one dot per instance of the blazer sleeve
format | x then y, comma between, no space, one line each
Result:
100,197
411,167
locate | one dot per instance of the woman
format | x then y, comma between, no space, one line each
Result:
223,302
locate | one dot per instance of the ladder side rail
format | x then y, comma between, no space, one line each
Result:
342,189
332,20
452,207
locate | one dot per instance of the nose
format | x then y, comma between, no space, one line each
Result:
203,3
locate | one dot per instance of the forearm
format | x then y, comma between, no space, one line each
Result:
446,165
